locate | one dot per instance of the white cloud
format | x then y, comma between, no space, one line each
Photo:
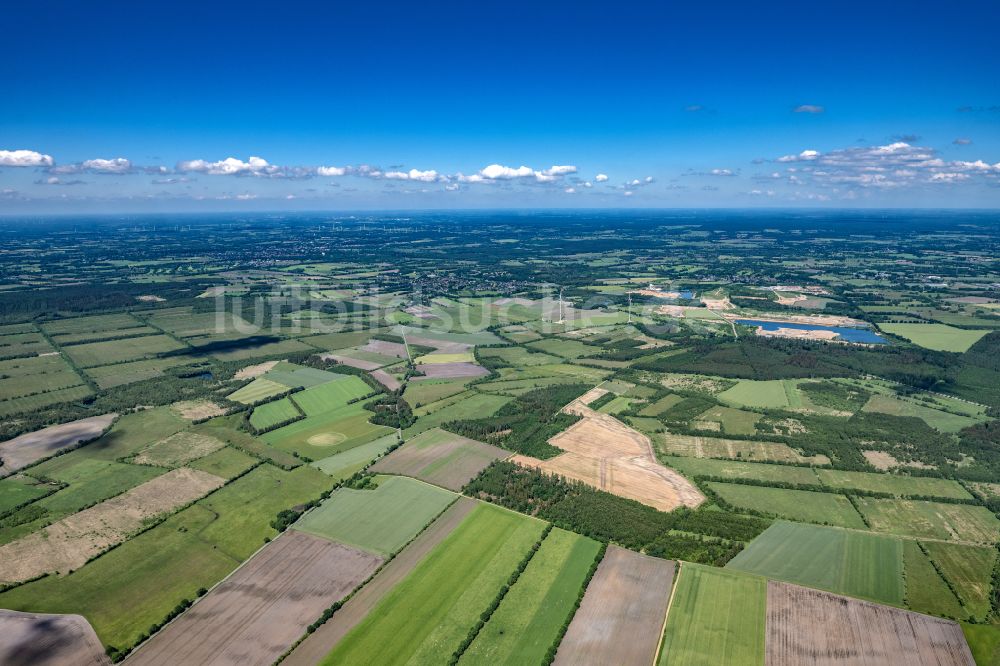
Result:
116,165
628,193
721,172
452,187
808,108
804,156
330,171
499,172
949,177
570,190
962,141
255,166
601,177
24,158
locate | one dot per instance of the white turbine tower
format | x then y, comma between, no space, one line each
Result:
630,307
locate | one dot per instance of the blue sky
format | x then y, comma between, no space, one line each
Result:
159,107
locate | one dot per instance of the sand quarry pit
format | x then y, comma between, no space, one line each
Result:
35,639
603,452
264,606
68,543
621,616
806,626
34,446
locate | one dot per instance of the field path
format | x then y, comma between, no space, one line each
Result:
318,644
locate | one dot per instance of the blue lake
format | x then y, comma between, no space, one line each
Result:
686,294
865,335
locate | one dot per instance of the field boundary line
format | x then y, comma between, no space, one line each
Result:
197,599
666,615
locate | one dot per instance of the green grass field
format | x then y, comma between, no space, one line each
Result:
257,390
272,413
735,469
926,591
893,484
331,395
27,376
661,405
17,490
320,436
564,348
519,356
935,418
715,617
934,520
342,465
969,569
380,521
128,349
773,394
803,505
857,564
226,462
471,406
532,613
418,394
984,641
733,421
940,337
299,376
426,616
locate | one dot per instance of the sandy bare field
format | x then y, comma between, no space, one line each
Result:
33,446
194,410
883,461
442,346
603,452
818,320
264,606
592,395
34,639
621,617
807,626
441,458
798,333
450,371
252,371
68,543
319,643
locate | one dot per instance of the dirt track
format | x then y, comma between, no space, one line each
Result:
318,644
605,453
264,607
68,543
34,639
811,627
33,446
621,617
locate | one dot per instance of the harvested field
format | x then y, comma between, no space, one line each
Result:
197,410
253,371
257,613
34,446
621,616
934,520
807,626
34,639
319,643
178,449
451,371
718,447
441,458
603,452
68,543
